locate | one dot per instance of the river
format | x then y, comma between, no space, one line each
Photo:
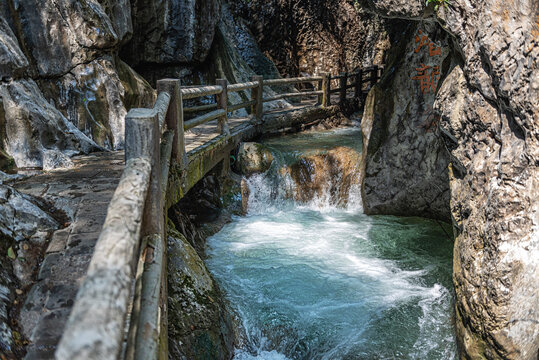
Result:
319,280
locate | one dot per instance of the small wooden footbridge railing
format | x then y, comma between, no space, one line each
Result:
121,306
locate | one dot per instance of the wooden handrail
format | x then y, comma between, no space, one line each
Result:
297,80
191,93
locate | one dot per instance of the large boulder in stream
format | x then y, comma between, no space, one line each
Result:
200,323
253,158
329,176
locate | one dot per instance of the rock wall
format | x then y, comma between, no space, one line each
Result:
63,89
487,105
404,160
316,36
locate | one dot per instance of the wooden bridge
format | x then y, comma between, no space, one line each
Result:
120,309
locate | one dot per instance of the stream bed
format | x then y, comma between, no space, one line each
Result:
319,280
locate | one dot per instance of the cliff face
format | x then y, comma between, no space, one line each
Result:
404,160
487,109
319,35
63,89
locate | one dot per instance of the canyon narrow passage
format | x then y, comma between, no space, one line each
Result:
312,277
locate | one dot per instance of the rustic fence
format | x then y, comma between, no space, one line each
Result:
121,307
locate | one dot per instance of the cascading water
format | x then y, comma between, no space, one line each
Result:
319,279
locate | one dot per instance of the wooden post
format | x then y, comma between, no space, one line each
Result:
359,83
222,103
342,87
374,75
326,88
320,88
256,94
174,118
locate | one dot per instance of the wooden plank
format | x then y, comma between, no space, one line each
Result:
161,108
191,93
297,80
95,328
203,119
358,84
147,337
342,87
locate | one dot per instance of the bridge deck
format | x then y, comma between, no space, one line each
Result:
84,192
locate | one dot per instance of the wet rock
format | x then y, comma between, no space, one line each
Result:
253,158
7,295
200,323
328,176
404,160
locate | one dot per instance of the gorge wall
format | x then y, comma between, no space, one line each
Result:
484,125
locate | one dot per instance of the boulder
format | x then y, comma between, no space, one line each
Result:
328,176
21,216
200,323
253,158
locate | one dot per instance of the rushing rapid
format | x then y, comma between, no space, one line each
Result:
321,280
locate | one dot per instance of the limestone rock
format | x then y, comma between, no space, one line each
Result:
37,134
12,59
328,176
253,158
95,99
20,215
172,31
200,325
489,106
317,35
404,161
81,29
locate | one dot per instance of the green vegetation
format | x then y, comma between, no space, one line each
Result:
437,3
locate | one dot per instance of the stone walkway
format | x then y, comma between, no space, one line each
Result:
84,193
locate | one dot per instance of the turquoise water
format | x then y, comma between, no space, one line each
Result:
313,281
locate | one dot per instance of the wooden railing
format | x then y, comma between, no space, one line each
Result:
121,307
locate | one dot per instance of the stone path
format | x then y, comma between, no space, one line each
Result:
84,192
